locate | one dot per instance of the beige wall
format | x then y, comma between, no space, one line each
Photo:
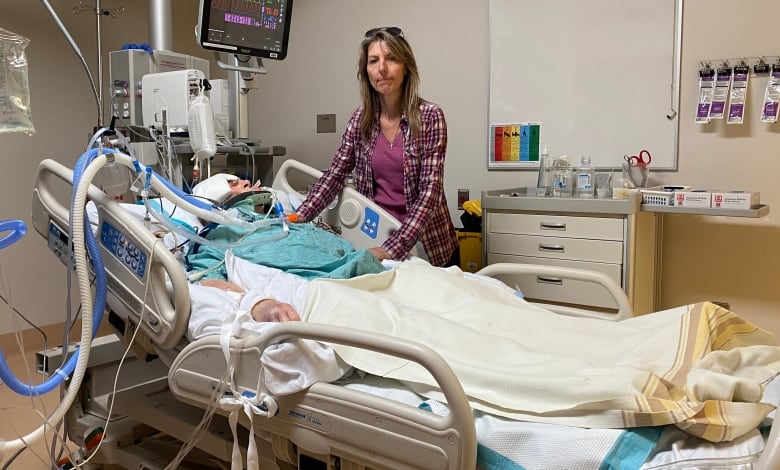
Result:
724,259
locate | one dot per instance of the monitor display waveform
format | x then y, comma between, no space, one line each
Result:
240,19
246,6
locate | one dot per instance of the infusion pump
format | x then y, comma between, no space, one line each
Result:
170,93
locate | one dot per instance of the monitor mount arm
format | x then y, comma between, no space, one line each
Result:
240,82
241,59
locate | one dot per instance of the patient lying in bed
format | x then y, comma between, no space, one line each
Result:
698,366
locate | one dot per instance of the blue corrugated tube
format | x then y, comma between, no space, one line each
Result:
67,369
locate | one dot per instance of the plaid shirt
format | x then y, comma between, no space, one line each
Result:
428,219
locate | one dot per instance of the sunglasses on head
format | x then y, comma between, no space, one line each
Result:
391,30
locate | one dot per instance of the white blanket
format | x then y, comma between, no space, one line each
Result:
288,367
700,367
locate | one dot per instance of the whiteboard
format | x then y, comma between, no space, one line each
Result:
601,77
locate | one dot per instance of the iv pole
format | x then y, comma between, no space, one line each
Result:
99,12
160,30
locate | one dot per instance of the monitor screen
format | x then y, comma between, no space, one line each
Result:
258,28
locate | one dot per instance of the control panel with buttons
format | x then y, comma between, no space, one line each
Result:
127,252
58,243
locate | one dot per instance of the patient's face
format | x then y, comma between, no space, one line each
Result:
238,186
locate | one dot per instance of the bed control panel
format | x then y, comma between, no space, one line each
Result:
127,252
59,243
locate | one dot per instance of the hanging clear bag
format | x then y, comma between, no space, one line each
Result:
14,88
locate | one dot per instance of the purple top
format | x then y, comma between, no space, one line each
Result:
388,167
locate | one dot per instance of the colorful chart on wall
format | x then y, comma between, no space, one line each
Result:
601,76
514,144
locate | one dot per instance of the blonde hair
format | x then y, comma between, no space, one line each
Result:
410,99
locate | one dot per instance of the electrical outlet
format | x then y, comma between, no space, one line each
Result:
463,196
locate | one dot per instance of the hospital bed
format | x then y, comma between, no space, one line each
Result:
173,383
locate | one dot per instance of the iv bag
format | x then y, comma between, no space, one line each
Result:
14,88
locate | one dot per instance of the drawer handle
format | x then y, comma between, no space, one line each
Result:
549,280
552,226
554,248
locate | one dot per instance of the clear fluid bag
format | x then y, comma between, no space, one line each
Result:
15,115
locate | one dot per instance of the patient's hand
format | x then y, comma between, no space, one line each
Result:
270,310
220,284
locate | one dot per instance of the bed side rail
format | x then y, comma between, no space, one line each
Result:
143,276
770,457
456,430
363,223
623,306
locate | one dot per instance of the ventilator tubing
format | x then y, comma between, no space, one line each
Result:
67,369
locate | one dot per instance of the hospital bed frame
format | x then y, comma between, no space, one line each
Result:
327,425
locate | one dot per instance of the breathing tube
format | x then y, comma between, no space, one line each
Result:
198,207
195,206
186,231
190,234
100,297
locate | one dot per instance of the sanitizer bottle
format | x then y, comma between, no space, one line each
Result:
585,179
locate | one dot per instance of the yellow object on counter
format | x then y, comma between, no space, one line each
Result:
473,207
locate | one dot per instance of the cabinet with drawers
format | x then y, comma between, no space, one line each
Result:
610,236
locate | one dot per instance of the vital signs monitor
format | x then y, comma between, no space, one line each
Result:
257,28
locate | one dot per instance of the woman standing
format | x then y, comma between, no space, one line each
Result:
395,143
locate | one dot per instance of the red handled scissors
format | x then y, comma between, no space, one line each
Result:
642,160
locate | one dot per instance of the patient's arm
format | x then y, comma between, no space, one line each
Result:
264,310
270,310
221,284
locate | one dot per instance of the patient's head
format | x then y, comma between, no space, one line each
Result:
221,186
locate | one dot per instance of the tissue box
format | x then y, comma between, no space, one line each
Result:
693,198
735,200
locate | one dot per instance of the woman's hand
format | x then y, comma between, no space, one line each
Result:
380,253
270,310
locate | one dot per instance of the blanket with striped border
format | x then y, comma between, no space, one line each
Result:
699,366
